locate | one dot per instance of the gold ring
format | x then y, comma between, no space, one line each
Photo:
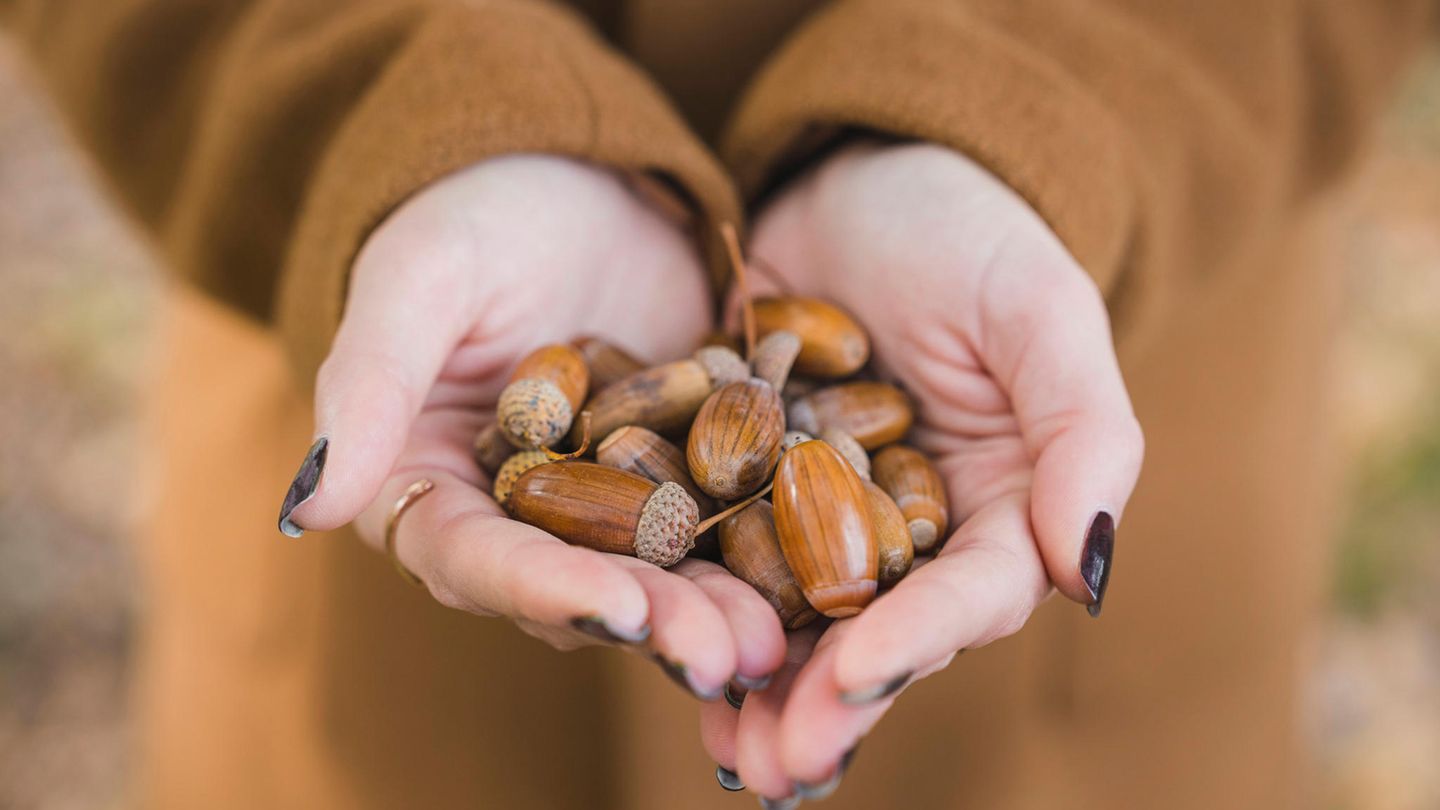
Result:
415,492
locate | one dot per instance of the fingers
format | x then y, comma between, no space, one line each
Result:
982,586
402,320
759,638
691,636
757,738
1058,363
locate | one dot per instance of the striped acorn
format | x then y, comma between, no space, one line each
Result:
606,361
647,453
751,550
875,413
543,396
735,439
664,398
822,516
911,479
607,509
832,344
892,536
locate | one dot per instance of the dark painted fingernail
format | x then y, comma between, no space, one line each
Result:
1095,559
596,627
824,789
734,701
877,692
728,779
753,684
680,675
303,487
788,803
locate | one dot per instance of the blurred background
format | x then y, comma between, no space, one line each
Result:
77,288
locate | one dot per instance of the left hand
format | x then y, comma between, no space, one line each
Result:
975,308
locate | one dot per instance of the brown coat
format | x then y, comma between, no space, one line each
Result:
1179,149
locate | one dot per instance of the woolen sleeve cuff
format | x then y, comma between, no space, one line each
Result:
468,82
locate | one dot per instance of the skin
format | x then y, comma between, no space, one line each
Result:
974,307
446,296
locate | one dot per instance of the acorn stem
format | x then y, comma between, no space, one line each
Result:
579,451
708,523
747,304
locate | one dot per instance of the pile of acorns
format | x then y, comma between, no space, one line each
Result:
843,522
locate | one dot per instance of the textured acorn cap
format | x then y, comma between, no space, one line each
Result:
722,364
514,467
794,437
534,412
666,531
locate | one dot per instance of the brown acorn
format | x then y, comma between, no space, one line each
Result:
515,466
774,355
606,361
647,453
543,396
875,413
735,439
892,536
664,398
492,448
850,449
908,476
827,535
607,509
832,344
751,550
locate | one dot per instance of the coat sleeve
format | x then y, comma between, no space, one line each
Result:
1156,137
260,141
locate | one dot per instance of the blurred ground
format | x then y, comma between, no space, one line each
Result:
76,285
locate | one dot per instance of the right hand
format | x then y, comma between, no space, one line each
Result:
446,296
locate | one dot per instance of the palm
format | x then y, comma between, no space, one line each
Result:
975,308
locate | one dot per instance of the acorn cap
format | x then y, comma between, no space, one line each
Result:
722,364
923,532
534,412
517,465
666,531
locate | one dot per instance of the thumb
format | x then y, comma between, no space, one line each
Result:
1077,423
403,318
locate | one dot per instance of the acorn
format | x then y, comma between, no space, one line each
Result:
850,449
794,437
735,439
832,344
515,466
892,536
606,361
822,516
491,448
911,479
774,355
644,452
875,413
751,550
543,396
607,509
664,398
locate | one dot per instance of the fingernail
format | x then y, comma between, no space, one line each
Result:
824,789
788,803
877,692
596,627
303,487
1095,559
680,675
753,684
728,779
735,702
